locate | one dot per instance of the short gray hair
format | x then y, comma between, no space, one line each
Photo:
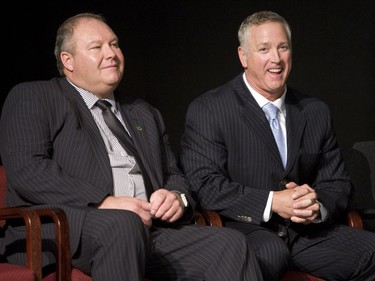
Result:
259,18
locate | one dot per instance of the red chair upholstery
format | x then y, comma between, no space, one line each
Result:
11,272
76,275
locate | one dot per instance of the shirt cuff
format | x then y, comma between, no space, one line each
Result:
323,214
267,211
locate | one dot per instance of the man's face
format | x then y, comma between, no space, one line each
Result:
267,59
97,63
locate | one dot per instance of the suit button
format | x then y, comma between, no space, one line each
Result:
244,218
283,183
281,234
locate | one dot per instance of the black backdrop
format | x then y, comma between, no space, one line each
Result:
176,50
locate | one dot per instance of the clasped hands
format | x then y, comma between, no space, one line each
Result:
297,203
164,205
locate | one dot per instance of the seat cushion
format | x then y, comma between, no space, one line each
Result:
12,272
77,275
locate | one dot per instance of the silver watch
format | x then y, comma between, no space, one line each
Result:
184,200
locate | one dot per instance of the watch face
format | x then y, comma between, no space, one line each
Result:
184,200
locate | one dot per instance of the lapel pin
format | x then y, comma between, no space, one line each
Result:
138,126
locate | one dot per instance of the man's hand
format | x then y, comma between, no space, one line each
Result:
282,203
166,205
297,203
140,207
305,206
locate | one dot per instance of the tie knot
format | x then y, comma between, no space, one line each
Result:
271,110
103,104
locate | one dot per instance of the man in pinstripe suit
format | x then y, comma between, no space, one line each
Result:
290,214
129,216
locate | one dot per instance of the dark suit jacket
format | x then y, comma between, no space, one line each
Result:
230,156
54,154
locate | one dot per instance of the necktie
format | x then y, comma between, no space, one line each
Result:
271,111
116,127
119,131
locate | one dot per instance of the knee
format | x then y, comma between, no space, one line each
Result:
275,254
119,225
230,238
272,254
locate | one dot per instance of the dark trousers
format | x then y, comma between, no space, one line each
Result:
117,246
336,252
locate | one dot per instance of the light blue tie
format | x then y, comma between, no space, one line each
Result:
271,111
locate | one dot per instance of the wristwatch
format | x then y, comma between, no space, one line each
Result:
184,200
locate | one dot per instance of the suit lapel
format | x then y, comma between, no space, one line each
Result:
140,133
255,119
295,124
89,127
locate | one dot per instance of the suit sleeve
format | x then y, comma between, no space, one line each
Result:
328,176
31,126
172,176
204,158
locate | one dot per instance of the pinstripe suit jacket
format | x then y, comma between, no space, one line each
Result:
230,156
54,154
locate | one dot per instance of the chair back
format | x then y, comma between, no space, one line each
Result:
2,189
2,205
367,148
360,163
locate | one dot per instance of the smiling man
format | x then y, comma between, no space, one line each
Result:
266,158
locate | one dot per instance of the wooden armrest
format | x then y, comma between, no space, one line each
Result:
62,254
354,219
32,221
33,236
212,218
198,218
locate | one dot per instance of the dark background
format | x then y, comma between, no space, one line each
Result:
177,50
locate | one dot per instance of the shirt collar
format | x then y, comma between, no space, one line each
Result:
262,101
90,99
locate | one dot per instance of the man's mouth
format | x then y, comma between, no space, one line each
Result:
275,70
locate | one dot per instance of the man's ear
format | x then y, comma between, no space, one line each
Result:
243,57
67,60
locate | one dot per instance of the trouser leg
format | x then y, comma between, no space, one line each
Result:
271,251
338,253
114,246
201,253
